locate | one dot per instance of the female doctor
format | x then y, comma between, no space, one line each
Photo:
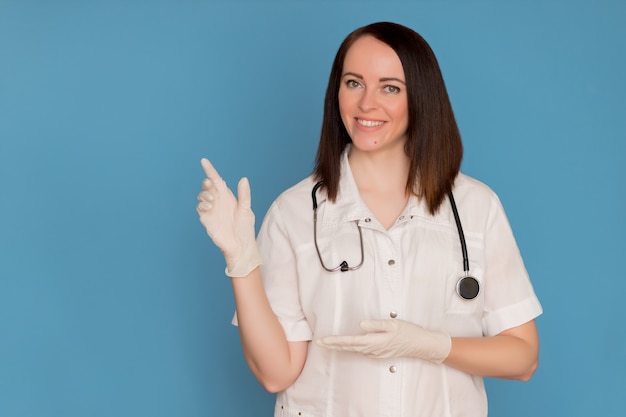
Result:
387,283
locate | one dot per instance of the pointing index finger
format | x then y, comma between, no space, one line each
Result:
209,170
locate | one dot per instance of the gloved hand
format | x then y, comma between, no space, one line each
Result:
229,223
393,338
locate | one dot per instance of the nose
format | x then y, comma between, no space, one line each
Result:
368,100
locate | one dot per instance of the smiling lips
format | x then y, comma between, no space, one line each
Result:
369,123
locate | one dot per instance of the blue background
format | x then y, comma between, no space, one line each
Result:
113,301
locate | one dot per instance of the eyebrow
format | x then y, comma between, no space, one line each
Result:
360,77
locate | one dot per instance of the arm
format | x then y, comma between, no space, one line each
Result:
512,354
274,361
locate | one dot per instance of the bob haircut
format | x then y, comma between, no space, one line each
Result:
433,140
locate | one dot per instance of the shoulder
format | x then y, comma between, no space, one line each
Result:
297,195
475,200
464,184
294,202
473,191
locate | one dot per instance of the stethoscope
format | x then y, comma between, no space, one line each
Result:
467,287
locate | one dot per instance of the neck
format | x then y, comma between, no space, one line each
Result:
375,172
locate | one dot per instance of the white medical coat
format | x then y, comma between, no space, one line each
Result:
410,272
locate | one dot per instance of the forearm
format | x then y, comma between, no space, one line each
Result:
513,354
230,224
271,358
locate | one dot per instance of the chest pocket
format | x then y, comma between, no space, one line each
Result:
463,317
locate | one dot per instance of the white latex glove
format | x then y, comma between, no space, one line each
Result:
393,338
229,223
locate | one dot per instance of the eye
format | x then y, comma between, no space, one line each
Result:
391,89
353,84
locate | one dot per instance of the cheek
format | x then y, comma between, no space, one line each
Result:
401,113
342,99
345,108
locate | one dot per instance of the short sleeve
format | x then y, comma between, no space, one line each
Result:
510,299
279,274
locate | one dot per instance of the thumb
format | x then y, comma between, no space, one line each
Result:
377,325
243,194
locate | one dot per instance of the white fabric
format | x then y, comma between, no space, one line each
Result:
412,269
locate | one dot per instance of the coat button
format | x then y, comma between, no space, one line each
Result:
393,314
391,262
392,369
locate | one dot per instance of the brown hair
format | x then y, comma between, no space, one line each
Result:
433,139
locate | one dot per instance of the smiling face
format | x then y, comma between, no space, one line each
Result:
372,96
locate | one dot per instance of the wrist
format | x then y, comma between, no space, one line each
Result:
241,265
442,343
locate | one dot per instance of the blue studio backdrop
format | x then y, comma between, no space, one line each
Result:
113,301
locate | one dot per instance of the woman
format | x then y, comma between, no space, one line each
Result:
368,310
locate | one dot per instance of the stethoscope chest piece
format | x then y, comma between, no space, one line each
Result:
468,287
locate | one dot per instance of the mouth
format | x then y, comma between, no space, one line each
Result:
369,123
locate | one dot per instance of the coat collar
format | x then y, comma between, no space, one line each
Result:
350,207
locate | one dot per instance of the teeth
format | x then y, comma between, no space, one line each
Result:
368,123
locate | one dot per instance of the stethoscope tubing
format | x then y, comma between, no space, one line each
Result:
467,286
459,228
343,266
